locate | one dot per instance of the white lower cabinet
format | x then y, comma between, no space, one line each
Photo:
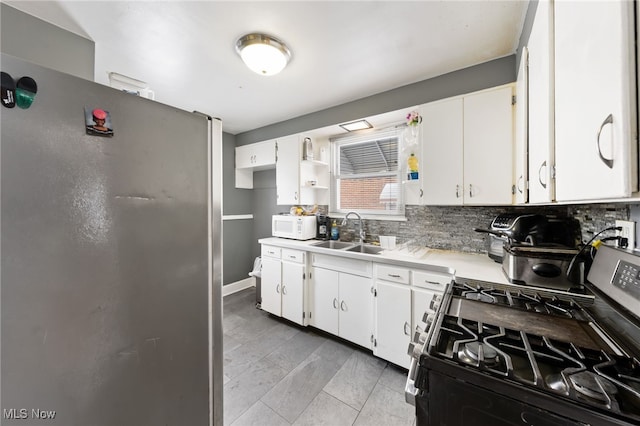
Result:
392,307
393,322
324,300
341,304
402,296
283,283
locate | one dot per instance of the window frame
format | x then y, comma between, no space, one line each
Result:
364,137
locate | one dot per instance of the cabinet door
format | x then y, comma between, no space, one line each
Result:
271,286
541,106
594,87
244,156
324,303
488,147
521,168
393,322
293,291
288,171
356,312
442,142
264,154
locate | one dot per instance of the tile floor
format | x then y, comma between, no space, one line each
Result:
277,373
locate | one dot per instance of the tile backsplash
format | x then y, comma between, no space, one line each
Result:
451,228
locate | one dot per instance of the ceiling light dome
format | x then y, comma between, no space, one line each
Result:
263,54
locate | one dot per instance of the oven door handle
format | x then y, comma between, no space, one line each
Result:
410,391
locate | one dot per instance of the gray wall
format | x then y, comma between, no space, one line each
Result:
237,234
478,77
42,43
526,29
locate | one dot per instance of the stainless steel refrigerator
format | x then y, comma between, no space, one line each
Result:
111,266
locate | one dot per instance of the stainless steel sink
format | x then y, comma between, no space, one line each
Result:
365,249
337,245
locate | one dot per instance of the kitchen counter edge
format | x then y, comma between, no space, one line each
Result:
467,265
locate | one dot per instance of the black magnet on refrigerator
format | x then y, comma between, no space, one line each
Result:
8,93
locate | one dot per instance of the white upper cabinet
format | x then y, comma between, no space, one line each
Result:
256,155
595,116
541,106
521,160
288,171
442,154
249,158
488,147
298,180
467,150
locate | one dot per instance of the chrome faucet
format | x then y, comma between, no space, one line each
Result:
361,233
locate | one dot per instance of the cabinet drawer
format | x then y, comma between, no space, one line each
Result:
392,273
430,280
270,251
293,255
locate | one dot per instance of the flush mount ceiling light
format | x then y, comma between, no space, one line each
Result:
356,125
263,54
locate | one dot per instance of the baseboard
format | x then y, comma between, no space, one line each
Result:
238,286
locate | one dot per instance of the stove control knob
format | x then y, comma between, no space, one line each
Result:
420,337
435,302
417,334
429,320
415,350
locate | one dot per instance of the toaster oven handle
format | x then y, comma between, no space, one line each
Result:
491,231
546,270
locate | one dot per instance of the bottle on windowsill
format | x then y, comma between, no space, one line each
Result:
335,233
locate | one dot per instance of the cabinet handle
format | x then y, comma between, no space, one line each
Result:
292,257
343,306
457,191
284,290
407,329
335,303
608,162
394,275
543,165
520,179
470,191
278,288
432,282
421,193
295,195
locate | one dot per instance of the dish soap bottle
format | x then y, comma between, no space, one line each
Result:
412,163
335,233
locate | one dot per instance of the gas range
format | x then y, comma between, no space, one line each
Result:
532,355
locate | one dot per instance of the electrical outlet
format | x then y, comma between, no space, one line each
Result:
628,232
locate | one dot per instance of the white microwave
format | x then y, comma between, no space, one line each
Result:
295,227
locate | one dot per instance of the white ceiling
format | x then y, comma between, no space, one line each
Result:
342,50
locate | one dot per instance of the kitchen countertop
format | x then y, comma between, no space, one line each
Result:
465,265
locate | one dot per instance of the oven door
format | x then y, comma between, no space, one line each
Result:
454,402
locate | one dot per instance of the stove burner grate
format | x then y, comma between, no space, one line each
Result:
528,299
470,354
591,385
591,376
